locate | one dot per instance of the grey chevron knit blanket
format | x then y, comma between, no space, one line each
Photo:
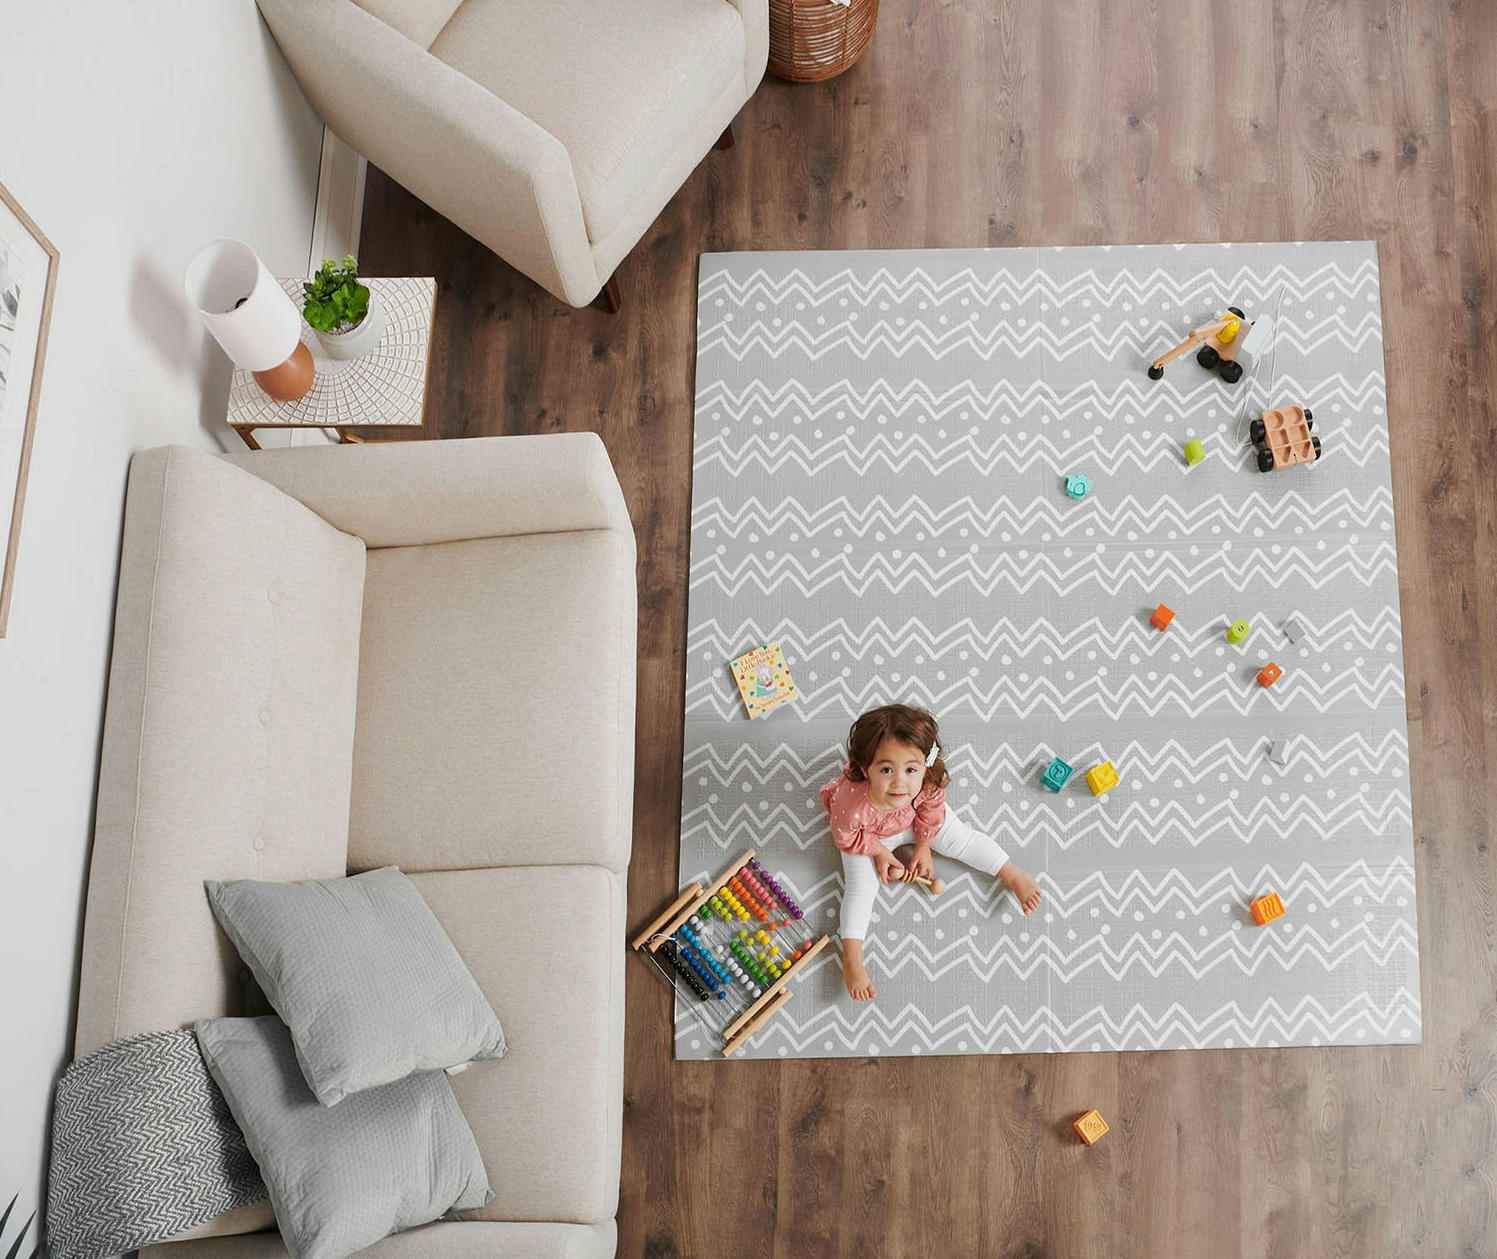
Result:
143,1148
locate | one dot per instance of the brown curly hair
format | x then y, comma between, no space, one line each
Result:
903,724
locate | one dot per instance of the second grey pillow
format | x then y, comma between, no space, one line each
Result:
363,976
389,1159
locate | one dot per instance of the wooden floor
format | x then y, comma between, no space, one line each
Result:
977,122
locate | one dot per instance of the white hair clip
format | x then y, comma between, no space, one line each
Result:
930,757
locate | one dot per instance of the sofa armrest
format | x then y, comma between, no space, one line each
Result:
418,493
499,176
755,15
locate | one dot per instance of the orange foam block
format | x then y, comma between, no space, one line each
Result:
1090,1127
1267,908
1162,617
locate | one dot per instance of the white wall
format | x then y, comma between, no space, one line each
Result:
132,134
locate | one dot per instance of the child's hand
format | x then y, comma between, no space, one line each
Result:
887,865
920,864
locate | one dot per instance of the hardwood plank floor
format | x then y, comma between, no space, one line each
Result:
1050,122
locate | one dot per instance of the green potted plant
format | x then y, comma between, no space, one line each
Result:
347,317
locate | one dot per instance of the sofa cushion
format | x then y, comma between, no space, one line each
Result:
496,704
619,82
228,737
546,946
319,948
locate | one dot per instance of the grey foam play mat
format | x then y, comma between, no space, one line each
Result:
881,445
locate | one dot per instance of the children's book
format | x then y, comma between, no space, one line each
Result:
763,679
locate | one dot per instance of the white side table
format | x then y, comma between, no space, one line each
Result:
383,389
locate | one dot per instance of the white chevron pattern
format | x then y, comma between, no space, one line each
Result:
880,444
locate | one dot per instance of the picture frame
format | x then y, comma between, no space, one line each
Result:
28,284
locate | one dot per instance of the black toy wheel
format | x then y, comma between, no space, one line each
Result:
1256,432
1265,460
1237,310
1155,373
1231,372
1207,357
1309,418
1315,441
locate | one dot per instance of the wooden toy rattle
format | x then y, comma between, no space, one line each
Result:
934,886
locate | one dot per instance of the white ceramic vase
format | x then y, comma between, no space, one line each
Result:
359,340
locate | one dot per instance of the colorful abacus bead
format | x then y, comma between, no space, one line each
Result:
776,890
695,941
749,964
760,890
760,902
699,964
683,970
752,902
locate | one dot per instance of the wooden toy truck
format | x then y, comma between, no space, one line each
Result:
1283,438
1220,342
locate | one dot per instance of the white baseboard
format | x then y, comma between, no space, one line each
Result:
339,215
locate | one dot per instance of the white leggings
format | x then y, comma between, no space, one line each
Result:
955,839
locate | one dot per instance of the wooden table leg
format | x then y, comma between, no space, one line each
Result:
247,432
345,438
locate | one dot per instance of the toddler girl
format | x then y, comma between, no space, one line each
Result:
892,792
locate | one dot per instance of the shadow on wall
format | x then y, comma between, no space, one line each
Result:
160,314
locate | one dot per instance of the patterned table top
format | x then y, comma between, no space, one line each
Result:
386,387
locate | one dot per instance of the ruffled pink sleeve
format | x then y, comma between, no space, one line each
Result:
930,813
846,806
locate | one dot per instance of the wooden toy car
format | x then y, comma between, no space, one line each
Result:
1269,674
1283,438
1219,344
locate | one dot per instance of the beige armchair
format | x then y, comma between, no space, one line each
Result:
552,132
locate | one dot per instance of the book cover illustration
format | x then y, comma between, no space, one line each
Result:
763,679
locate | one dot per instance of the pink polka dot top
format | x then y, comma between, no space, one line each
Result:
858,826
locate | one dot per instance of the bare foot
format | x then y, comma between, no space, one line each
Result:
855,976
1026,891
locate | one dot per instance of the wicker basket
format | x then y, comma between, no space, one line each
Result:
811,40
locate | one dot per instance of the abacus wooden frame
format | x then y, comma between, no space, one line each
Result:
690,900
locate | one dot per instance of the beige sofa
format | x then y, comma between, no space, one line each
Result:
420,654
553,133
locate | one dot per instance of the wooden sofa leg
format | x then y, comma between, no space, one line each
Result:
610,297
725,141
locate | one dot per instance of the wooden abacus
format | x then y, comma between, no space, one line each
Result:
734,946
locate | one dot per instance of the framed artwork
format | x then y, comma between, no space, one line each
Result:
28,279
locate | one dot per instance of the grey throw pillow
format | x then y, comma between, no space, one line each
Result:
362,974
387,1159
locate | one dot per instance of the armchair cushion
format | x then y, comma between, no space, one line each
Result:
621,83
